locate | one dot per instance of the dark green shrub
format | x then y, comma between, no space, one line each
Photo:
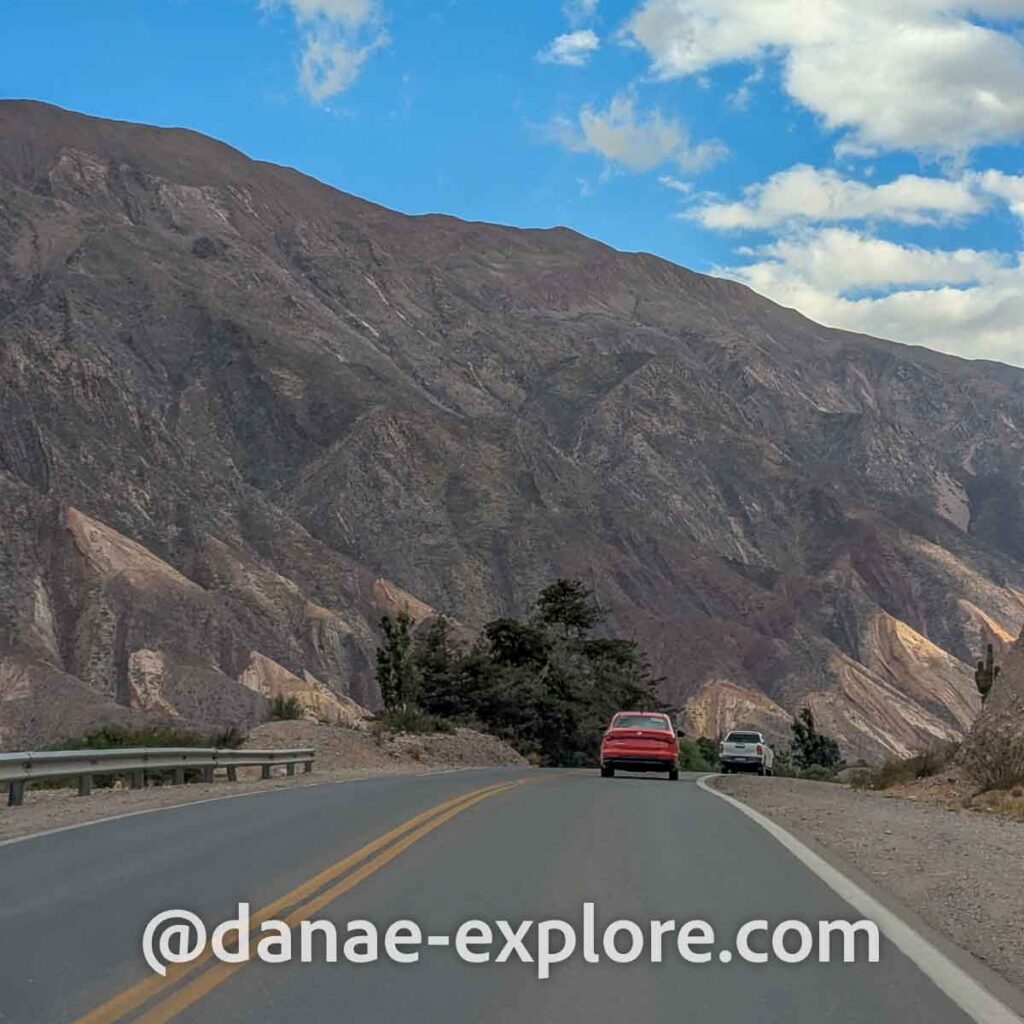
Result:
691,757
411,719
231,737
782,766
285,709
111,737
818,773
116,737
810,747
709,751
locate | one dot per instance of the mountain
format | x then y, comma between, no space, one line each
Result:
242,413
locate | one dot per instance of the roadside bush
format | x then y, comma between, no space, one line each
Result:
782,767
708,750
116,737
411,719
111,737
922,765
231,737
818,773
810,747
994,758
691,757
285,709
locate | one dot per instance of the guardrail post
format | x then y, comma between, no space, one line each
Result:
232,773
15,792
208,773
179,777
266,771
84,784
138,779
290,767
307,766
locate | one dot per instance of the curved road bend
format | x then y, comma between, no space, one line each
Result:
73,907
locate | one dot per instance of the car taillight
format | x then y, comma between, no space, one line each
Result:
759,749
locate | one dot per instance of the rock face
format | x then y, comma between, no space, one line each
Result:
243,412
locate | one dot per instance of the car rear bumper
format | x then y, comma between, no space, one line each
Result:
639,763
742,762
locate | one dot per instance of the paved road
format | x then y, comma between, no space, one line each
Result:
73,907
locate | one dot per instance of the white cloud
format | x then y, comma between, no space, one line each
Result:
839,260
356,12
964,301
675,184
338,37
896,74
572,48
636,140
740,98
331,63
807,193
1007,187
579,10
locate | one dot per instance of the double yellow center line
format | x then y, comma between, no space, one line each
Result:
184,984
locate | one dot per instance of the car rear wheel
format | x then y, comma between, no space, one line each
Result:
673,775
607,771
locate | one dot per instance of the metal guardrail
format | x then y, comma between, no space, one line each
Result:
136,762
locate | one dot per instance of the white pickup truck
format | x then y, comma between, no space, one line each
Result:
743,751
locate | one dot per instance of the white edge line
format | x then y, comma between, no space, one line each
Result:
236,796
977,1002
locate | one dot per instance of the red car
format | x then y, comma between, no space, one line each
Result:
640,741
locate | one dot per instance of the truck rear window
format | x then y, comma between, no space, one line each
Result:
743,737
640,722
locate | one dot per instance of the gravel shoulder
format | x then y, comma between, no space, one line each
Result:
959,870
342,754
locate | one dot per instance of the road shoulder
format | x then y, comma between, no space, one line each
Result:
957,873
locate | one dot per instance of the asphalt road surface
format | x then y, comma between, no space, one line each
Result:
527,844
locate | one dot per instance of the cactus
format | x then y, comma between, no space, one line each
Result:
986,674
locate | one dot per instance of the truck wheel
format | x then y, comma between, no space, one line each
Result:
673,775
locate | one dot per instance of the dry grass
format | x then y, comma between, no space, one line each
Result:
1006,802
994,758
922,765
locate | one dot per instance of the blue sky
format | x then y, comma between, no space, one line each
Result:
859,159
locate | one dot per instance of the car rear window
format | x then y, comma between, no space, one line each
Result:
743,737
640,722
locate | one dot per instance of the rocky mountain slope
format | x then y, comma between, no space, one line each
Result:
242,412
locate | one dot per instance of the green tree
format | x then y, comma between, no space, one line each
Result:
547,686
516,643
810,746
398,674
708,749
986,673
437,653
568,604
